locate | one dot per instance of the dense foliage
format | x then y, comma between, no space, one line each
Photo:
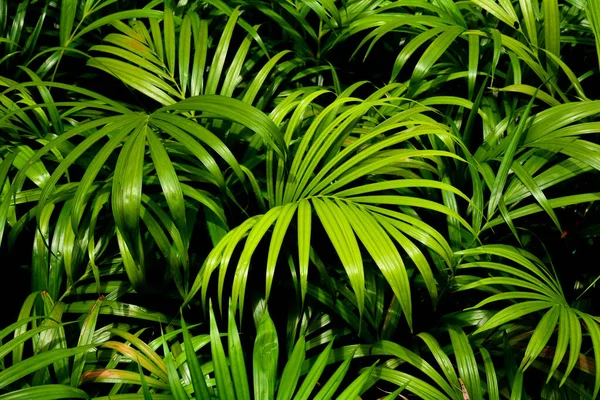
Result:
294,199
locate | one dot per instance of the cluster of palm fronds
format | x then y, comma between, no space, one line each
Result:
300,199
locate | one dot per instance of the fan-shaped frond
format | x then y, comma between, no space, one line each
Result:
340,147
538,289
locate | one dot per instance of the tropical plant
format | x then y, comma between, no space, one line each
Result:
374,199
